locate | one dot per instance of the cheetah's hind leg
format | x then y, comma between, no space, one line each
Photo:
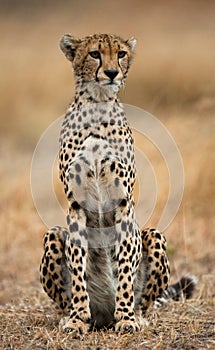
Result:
54,273
156,290
154,272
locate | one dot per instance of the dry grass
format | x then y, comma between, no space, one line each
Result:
34,324
172,77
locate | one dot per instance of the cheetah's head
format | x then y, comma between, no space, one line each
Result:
100,62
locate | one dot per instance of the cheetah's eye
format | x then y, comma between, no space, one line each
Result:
121,54
94,54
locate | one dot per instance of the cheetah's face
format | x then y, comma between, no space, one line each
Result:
102,60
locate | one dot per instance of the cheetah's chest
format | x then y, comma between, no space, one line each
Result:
96,133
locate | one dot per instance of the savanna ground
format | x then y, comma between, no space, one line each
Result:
173,78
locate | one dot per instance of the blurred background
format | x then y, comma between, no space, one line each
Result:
172,77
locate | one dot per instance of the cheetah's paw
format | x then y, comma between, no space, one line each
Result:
74,326
127,326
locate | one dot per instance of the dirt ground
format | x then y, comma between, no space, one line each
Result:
172,77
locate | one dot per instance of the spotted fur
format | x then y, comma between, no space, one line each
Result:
101,270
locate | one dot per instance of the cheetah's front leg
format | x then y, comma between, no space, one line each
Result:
78,321
124,311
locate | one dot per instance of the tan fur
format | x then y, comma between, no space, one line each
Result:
101,269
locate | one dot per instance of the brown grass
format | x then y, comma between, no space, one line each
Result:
173,78
34,325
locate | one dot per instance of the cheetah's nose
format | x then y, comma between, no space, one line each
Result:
111,73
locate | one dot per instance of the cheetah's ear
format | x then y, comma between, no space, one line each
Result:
68,45
131,43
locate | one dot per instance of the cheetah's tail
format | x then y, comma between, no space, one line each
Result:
183,289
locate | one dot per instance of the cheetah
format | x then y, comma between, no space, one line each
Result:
102,270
